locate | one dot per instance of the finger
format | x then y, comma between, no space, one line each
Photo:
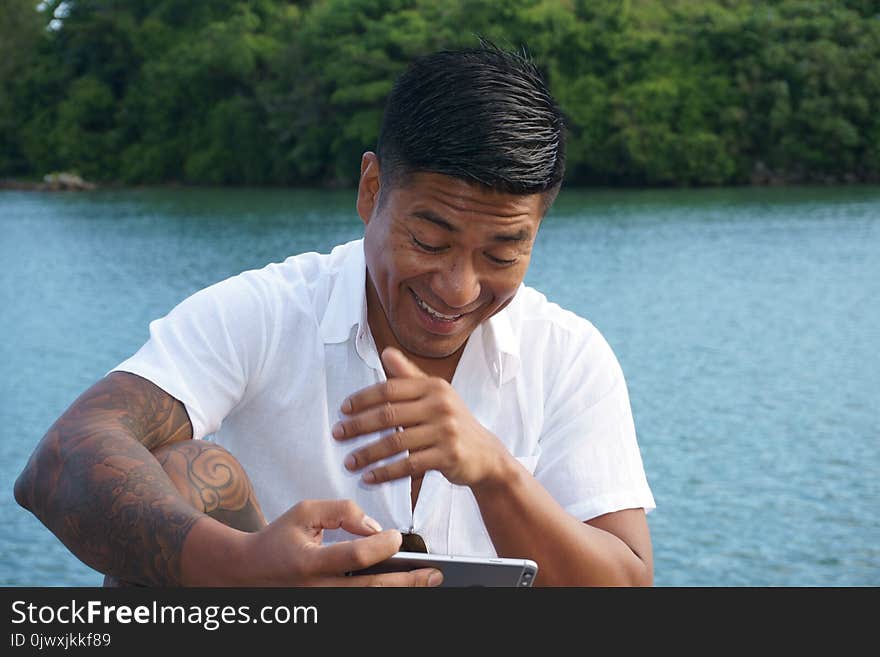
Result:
393,390
355,554
398,365
335,514
420,577
378,418
414,438
414,465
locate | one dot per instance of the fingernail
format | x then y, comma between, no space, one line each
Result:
372,524
369,477
350,462
337,430
435,578
346,406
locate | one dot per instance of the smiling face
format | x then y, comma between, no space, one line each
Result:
442,256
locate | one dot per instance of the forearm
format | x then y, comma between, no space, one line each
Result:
109,501
523,519
94,483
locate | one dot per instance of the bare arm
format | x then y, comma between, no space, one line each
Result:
94,483
523,518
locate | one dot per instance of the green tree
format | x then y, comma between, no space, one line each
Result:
283,92
20,34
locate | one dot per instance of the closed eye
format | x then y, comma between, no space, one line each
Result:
426,247
500,261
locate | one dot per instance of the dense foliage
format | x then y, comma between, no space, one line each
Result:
283,92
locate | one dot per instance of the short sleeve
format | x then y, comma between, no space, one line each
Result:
207,351
589,455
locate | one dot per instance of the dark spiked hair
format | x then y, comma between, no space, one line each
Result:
483,115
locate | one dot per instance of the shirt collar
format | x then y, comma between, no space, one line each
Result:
347,308
347,304
501,344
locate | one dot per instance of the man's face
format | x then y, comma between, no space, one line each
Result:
442,256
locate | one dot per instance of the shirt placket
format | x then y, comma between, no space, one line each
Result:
398,491
475,381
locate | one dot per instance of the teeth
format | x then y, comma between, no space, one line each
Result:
434,313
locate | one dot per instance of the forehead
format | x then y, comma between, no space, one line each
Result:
438,199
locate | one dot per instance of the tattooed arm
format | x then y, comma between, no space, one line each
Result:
213,482
94,483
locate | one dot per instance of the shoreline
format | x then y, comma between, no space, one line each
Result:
53,182
63,186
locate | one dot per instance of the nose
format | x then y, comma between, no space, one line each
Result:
458,285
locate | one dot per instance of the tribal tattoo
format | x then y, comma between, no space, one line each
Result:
213,482
94,483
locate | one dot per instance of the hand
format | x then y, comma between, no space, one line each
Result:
289,551
433,424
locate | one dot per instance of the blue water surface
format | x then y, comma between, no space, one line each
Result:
746,321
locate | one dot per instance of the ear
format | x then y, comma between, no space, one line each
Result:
368,186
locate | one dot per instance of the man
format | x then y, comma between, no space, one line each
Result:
408,380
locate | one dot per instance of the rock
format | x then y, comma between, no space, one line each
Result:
66,182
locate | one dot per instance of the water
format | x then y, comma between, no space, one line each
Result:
746,322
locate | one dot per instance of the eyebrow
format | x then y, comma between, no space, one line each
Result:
520,236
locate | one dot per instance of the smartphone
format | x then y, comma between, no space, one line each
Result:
459,571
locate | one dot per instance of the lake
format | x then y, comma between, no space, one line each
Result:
746,321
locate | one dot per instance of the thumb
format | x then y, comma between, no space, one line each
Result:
398,365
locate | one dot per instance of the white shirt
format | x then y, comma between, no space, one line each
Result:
263,361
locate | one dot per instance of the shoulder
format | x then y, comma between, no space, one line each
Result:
564,347
300,282
534,317
301,272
